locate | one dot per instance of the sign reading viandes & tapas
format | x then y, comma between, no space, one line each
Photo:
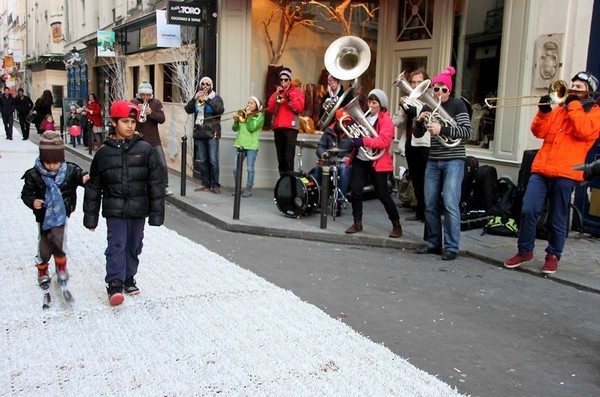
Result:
193,14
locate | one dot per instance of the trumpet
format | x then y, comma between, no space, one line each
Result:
242,114
143,116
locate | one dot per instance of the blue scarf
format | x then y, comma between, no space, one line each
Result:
56,214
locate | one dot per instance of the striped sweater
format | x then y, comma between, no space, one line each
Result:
458,110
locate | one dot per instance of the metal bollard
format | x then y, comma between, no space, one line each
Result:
90,137
183,165
324,195
239,161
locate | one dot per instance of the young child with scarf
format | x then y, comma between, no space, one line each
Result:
50,190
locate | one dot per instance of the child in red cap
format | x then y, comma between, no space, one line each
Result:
126,181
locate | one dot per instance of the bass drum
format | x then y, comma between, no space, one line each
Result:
297,195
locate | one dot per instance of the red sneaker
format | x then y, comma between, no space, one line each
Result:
551,264
518,259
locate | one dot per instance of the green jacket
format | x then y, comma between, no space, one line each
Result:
249,131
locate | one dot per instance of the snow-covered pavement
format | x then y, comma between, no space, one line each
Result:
202,326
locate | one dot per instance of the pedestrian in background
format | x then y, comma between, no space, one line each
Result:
23,105
43,106
7,108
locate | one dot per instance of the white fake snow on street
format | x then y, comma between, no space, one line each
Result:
202,326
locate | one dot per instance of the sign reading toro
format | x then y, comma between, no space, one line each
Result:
194,13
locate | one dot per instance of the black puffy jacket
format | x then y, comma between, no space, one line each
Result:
125,176
35,188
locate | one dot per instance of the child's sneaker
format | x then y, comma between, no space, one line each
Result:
115,292
551,264
61,268
130,287
43,276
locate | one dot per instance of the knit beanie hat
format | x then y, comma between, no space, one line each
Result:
145,88
286,72
590,81
380,96
257,101
52,148
207,80
445,77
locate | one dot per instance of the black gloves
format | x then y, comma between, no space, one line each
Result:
358,142
570,99
591,170
544,104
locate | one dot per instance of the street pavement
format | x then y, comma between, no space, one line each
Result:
579,265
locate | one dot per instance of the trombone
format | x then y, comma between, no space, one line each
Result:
557,91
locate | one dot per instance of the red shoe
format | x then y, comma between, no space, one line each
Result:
518,260
551,264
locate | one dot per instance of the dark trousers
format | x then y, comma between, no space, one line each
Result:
125,241
50,243
24,125
416,159
286,150
360,171
7,119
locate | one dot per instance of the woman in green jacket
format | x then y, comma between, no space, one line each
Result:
248,124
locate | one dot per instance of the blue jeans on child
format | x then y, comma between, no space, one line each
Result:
250,156
443,178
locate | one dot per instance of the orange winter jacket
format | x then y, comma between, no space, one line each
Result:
568,135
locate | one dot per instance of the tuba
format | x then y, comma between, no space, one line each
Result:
142,116
362,128
346,59
413,93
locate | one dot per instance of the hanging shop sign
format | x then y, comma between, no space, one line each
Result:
192,14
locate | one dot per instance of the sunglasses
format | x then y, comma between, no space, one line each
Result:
443,89
284,79
205,84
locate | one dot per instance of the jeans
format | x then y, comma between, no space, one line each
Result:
125,241
250,156
24,124
443,178
7,119
207,155
558,191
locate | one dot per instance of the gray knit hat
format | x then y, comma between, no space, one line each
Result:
145,88
381,97
52,148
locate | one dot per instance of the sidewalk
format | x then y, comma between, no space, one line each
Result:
258,214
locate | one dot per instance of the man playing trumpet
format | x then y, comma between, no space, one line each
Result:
154,114
286,104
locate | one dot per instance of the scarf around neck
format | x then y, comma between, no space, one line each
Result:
200,109
56,214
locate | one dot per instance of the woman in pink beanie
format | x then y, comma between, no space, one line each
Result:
445,168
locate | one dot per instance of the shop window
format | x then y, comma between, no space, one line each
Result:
172,81
57,93
476,54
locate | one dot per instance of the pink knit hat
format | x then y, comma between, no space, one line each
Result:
445,77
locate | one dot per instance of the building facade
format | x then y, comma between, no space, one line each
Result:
499,48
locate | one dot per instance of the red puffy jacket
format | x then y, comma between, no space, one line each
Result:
286,113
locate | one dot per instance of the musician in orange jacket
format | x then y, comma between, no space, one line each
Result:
286,104
378,170
569,131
